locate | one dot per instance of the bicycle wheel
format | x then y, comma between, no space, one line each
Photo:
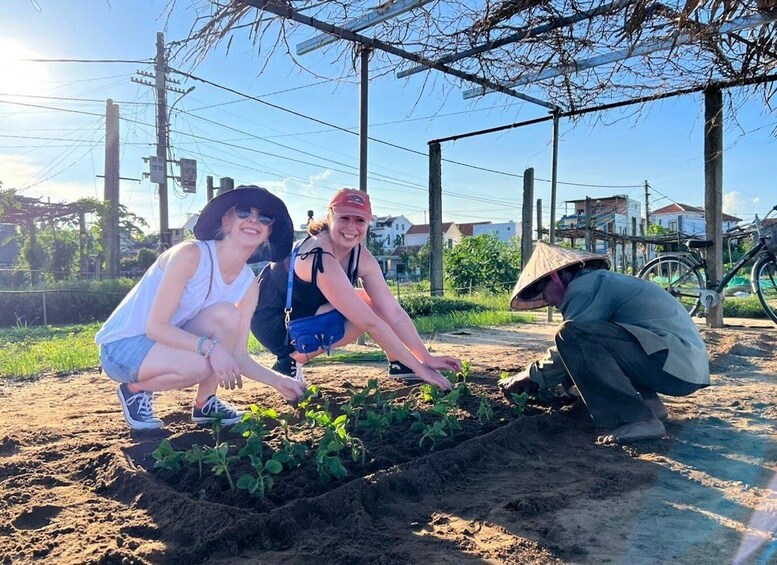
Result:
679,277
764,278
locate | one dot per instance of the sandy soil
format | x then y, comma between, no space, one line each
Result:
75,484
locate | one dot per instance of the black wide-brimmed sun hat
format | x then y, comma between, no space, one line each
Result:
546,259
279,245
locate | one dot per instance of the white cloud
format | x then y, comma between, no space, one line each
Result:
737,204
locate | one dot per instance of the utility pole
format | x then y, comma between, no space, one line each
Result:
647,206
160,67
159,163
111,188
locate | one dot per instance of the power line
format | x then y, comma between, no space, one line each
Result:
376,140
130,61
67,99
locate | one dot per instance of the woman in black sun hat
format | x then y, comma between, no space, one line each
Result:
186,322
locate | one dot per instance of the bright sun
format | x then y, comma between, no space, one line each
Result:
18,76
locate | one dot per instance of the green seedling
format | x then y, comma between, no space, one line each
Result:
195,455
166,457
485,413
429,393
258,484
253,447
309,399
292,455
377,422
460,376
328,462
433,433
215,429
403,412
253,422
519,403
219,459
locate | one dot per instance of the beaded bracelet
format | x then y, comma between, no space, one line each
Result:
200,343
213,343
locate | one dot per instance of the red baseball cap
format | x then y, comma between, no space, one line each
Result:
352,202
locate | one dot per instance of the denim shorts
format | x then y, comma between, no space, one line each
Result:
121,359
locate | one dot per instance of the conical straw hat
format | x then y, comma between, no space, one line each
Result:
546,259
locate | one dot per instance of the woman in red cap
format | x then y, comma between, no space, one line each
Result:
186,322
326,267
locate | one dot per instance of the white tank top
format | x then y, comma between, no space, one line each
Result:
131,315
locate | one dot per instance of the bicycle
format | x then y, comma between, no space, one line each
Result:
684,274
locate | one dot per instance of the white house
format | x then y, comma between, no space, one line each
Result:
504,231
419,234
688,220
389,231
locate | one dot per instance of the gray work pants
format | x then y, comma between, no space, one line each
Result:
613,373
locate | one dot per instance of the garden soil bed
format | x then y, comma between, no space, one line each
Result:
76,486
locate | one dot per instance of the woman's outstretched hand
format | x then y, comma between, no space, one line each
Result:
291,389
433,377
443,363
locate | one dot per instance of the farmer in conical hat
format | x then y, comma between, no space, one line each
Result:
622,341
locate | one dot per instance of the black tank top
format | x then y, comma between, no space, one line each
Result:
306,297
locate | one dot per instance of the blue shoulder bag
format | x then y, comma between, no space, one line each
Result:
311,333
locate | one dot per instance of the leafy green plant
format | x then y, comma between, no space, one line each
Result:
518,403
292,454
262,481
485,413
377,421
219,459
215,429
433,433
195,455
166,457
253,423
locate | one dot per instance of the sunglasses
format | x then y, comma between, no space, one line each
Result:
245,212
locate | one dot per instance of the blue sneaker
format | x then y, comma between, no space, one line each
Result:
214,409
138,409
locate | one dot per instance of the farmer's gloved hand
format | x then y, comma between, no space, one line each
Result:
517,384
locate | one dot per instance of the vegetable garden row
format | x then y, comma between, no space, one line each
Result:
327,438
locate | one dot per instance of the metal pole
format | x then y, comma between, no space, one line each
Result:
435,218
363,115
554,179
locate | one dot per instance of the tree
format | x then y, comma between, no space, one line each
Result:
482,262
418,260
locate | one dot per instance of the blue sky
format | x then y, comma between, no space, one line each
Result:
56,152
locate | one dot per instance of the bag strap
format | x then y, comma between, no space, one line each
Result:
210,279
289,285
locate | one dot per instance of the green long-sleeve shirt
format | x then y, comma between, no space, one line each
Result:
641,307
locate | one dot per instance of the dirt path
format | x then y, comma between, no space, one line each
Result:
74,486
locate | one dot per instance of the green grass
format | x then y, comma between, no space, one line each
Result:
743,307
28,352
